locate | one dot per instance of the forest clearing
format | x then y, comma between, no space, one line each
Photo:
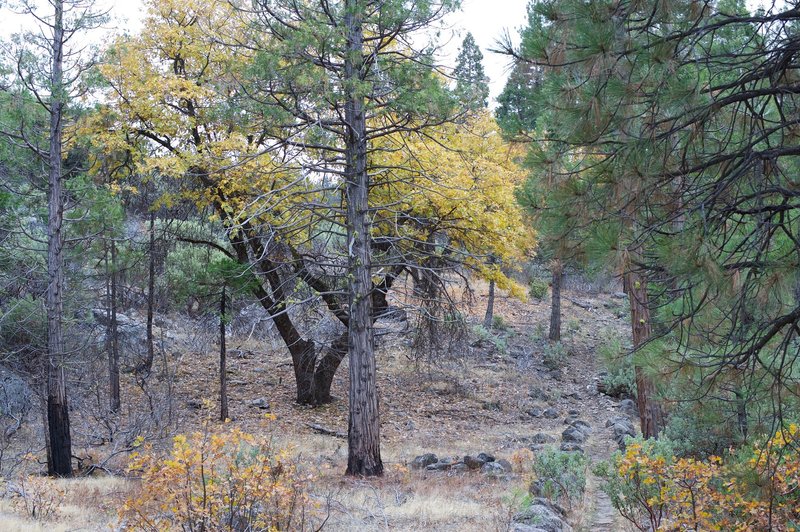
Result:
291,265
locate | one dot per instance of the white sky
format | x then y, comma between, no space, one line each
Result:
487,20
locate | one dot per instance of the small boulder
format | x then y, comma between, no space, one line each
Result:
573,435
423,461
570,447
260,403
484,457
628,407
550,413
542,438
535,411
538,394
541,516
439,466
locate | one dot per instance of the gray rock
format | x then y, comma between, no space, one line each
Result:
460,467
535,411
493,469
543,516
542,438
260,403
485,457
505,464
550,413
439,466
582,426
569,447
573,435
423,461
538,394
574,413
628,407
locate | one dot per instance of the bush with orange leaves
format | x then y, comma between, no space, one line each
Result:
226,480
757,489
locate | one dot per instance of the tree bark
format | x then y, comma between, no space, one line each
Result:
555,302
487,319
651,412
223,375
114,401
364,457
60,463
147,366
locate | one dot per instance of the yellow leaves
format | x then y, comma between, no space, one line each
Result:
706,494
215,481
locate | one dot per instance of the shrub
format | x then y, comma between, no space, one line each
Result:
620,379
228,480
759,489
560,476
555,355
36,497
499,323
485,336
537,289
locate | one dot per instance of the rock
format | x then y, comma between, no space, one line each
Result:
570,447
573,395
538,447
555,374
460,467
628,407
538,394
493,469
542,516
505,464
535,411
439,466
574,413
542,438
619,295
260,403
550,413
582,426
622,428
473,463
485,457
423,461
573,435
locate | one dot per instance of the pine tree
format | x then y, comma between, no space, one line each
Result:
472,84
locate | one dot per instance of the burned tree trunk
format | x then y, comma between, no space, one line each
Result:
555,303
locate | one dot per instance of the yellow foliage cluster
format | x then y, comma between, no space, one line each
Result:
457,179
227,480
664,493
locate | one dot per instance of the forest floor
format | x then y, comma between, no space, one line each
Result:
472,399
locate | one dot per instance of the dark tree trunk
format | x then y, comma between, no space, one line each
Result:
364,456
147,366
651,412
487,319
60,463
223,375
114,401
555,303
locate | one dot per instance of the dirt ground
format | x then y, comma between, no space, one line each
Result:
472,399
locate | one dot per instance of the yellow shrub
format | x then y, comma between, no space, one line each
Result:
660,492
229,480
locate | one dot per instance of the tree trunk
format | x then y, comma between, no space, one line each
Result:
223,375
487,319
364,457
650,411
147,366
60,463
114,401
555,303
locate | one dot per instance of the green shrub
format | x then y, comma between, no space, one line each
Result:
486,336
555,355
499,323
620,379
538,288
560,476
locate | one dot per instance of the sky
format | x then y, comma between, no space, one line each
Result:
487,20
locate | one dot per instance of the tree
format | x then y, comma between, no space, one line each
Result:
472,83
679,114
52,78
